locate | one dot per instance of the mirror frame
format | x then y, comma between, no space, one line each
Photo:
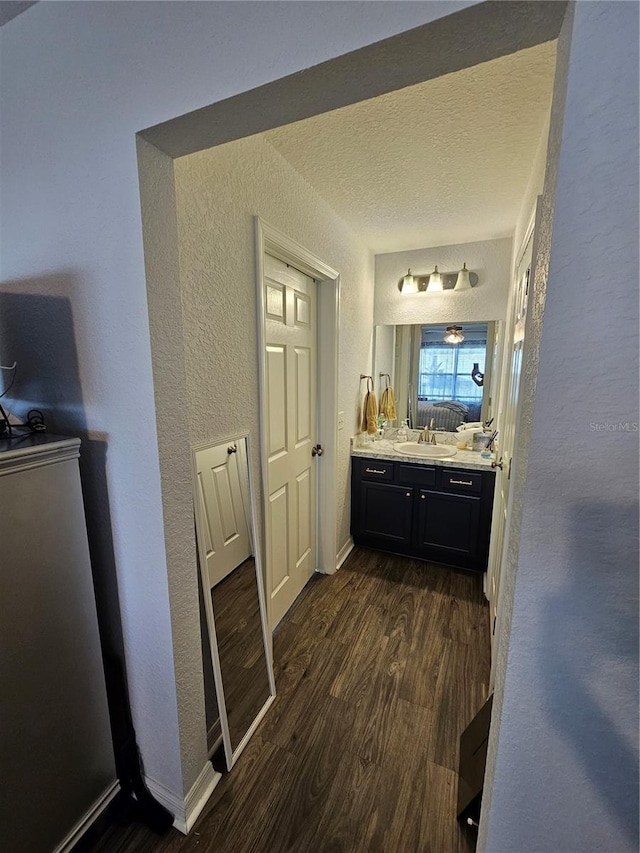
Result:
231,754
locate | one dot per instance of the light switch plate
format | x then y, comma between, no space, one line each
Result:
340,420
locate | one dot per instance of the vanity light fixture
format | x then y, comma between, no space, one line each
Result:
453,335
408,283
463,282
435,281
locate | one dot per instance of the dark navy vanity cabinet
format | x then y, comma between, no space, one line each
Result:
433,512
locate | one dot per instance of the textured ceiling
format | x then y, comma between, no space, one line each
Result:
9,9
446,161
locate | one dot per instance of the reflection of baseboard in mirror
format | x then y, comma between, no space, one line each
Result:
234,599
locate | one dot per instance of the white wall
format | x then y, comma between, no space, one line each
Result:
218,193
78,81
491,259
562,771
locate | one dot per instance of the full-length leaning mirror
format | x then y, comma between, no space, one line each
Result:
436,375
231,574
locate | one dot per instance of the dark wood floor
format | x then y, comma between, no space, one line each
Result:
379,668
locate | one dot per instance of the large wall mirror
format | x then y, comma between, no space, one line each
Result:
440,376
232,583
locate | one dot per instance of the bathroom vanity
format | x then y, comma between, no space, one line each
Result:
433,509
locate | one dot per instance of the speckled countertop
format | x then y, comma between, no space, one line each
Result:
385,449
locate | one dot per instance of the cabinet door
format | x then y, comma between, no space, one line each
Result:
385,511
448,522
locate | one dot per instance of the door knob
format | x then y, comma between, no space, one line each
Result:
232,449
317,450
499,464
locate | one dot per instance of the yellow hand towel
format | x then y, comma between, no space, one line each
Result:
388,404
369,411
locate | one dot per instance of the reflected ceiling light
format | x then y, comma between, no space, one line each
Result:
435,281
409,283
463,282
453,335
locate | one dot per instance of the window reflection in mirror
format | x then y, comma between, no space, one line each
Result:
449,383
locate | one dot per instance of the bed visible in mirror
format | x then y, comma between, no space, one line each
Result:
231,574
436,381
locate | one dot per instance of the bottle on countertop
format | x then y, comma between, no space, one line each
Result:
403,434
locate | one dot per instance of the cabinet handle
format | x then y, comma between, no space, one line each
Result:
408,494
375,471
460,482
423,497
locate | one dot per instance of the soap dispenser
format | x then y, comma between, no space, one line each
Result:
403,434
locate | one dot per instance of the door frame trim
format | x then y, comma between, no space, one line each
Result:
272,241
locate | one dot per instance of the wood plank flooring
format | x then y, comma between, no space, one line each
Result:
378,668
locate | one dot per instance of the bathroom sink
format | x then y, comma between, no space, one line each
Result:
428,451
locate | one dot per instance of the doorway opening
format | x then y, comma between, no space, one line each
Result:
178,378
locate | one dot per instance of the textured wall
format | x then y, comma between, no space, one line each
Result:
218,193
563,765
160,225
491,259
78,81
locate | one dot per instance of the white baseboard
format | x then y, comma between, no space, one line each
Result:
186,811
344,552
90,817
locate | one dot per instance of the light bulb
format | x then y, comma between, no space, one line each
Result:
435,281
409,284
463,282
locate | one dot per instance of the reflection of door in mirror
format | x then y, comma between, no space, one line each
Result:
226,529
235,605
433,378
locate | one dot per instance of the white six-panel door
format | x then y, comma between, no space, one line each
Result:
507,420
290,411
221,505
